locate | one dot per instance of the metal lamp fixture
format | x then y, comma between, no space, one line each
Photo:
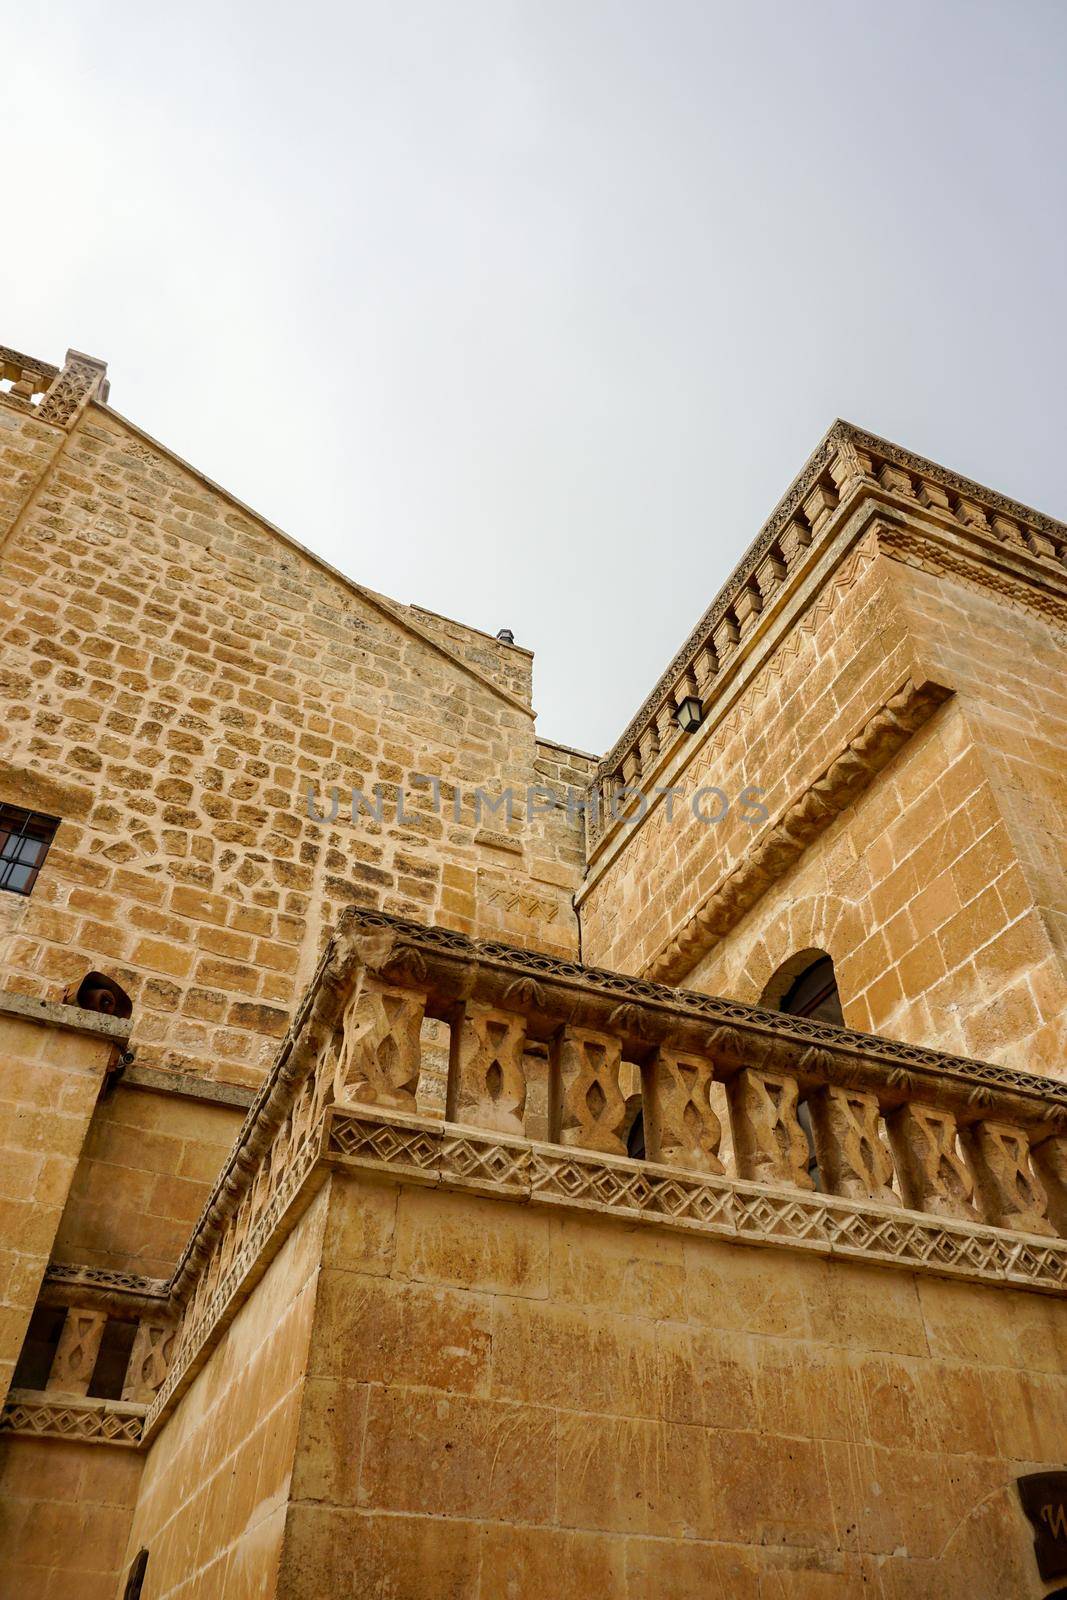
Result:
690,714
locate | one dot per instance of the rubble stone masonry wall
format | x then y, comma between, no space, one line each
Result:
175,678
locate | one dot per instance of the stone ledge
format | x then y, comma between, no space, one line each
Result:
31,1413
35,790
454,1157
188,1087
71,1019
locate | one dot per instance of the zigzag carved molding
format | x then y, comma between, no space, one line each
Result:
796,826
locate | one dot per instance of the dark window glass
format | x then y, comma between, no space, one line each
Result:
814,994
24,840
109,1374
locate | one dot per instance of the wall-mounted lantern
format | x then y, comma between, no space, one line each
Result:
690,714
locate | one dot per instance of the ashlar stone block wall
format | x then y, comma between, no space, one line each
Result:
936,889
501,1401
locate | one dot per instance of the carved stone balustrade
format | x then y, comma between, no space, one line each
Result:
893,1125
115,1342
917,1159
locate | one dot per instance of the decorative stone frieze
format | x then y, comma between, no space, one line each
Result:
723,1207
88,1422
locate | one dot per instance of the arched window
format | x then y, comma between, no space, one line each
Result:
814,994
806,986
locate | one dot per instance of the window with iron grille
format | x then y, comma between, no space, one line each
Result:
24,840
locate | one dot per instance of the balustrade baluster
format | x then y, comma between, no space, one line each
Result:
380,1053
681,1128
1009,1190
933,1175
77,1350
854,1159
486,1069
587,1106
769,1143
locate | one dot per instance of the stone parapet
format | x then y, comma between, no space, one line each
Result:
923,1160
847,466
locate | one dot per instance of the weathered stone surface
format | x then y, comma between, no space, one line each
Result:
420,1361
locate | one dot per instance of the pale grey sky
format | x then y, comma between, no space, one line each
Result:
528,312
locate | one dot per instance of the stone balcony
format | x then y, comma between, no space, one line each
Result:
920,1160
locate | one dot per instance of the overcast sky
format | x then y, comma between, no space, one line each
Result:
528,312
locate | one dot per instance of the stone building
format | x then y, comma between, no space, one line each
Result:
653,1186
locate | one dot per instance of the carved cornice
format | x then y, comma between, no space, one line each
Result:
846,460
463,1158
933,472
67,1417
816,464
69,1284
912,548
787,836
13,362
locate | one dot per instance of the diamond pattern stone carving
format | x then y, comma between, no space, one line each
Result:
149,1360
96,1422
77,1350
770,1144
681,1128
379,1056
1050,1164
486,1074
1011,1194
854,1159
587,1106
933,1174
